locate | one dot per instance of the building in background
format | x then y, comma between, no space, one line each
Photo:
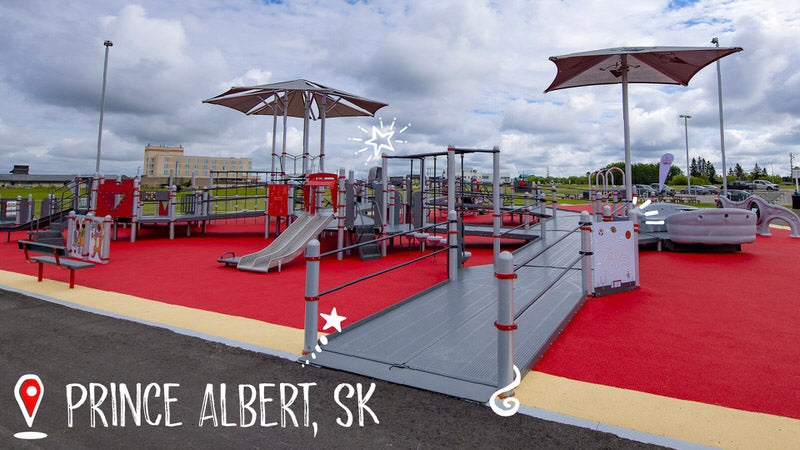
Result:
160,161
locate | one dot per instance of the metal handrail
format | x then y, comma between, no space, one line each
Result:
373,241
381,272
548,287
549,246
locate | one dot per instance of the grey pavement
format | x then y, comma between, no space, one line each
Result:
77,351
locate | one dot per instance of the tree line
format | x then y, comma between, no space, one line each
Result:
701,170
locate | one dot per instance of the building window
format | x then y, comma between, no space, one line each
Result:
166,172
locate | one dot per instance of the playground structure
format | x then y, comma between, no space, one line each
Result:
765,213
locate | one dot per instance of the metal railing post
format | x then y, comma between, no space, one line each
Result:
312,296
634,216
30,208
586,251
527,221
340,216
554,200
171,211
505,321
135,209
452,242
543,211
607,217
71,225
105,246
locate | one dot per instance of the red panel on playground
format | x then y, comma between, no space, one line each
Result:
115,199
715,328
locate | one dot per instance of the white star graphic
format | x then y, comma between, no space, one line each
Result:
333,320
385,141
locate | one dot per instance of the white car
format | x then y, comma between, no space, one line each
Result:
764,184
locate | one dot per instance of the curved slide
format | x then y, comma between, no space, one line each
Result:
766,213
288,245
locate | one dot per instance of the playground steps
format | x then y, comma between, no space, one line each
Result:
369,252
443,339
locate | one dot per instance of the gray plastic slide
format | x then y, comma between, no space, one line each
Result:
288,245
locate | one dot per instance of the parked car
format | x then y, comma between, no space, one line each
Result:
711,189
694,190
737,195
644,191
764,184
666,190
741,185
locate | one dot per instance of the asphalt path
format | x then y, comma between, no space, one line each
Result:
92,356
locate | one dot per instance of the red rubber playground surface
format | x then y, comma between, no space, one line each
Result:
714,328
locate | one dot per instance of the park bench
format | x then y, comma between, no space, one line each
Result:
54,255
683,198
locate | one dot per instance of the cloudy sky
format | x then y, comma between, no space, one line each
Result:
467,73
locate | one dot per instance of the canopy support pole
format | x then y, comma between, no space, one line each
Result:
627,131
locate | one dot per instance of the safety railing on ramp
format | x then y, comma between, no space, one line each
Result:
313,256
508,315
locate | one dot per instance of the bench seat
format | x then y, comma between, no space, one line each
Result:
54,255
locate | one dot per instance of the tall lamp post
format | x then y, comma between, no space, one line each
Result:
715,41
102,107
686,131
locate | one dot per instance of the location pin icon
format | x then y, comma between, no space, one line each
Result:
29,391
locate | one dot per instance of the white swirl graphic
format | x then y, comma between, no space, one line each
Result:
511,403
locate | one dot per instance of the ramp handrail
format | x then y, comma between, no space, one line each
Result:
548,247
313,257
506,317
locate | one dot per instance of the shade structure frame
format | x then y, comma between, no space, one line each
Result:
653,65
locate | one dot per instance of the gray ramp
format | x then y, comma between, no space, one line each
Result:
443,339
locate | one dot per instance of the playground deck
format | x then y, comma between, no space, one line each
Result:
422,341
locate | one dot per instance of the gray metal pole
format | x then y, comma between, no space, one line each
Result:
451,178
171,210
340,215
107,44
586,251
721,125
322,111
634,216
627,131
283,134
312,296
385,202
496,218
554,200
527,221
505,320
452,241
686,132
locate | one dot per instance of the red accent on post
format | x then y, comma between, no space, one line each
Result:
505,276
502,327
312,258
311,299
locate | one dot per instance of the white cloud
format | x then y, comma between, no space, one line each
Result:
465,73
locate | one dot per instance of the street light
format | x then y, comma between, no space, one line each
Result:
721,127
686,130
102,106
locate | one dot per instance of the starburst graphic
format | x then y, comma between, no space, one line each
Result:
379,140
644,206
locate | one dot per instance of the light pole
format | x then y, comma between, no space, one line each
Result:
686,131
102,106
721,126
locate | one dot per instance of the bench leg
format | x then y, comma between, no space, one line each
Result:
41,271
71,278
